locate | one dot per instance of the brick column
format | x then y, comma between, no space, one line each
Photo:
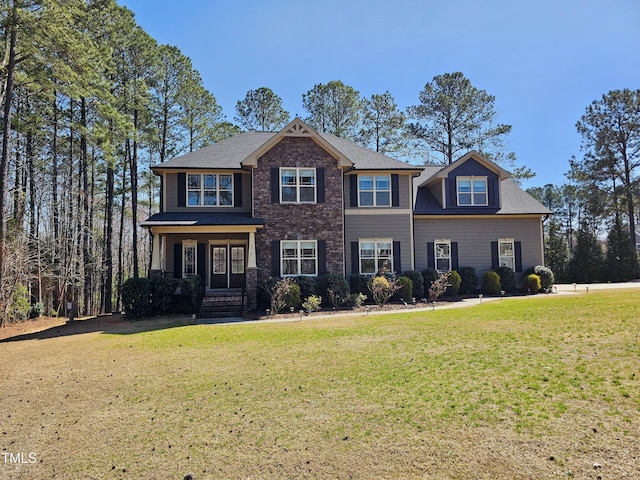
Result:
251,288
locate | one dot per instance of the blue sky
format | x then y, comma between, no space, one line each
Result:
544,61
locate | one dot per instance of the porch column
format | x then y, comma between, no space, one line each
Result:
251,286
155,255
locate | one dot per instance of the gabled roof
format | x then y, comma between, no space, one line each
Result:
245,149
444,171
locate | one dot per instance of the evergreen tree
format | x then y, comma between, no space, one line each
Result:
556,249
261,110
622,259
333,108
382,124
587,264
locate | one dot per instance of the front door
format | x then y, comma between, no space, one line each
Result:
227,266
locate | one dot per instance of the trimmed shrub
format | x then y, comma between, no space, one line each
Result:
37,310
429,275
468,280
312,303
418,284
136,297
405,290
292,297
308,286
161,291
532,283
454,283
191,293
547,278
334,289
358,283
491,283
507,279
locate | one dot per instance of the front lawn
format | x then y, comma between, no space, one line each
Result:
522,388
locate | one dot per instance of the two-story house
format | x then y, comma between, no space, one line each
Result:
298,202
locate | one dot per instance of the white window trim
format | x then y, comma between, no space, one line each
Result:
298,186
435,254
472,193
510,241
374,191
217,190
298,259
376,258
189,244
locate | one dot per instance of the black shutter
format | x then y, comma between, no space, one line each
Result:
200,262
395,190
454,256
237,189
397,264
355,257
320,184
182,189
431,256
322,257
517,250
450,187
161,193
494,256
177,260
353,190
492,190
275,258
275,185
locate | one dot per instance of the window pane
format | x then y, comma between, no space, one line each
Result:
307,177
367,250
237,260
479,186
366,182
225,182
289,194
442,250
289,177
479,198
464,199
225,198
464,186
384,249
189,261
210,198
308,249
383,198
210,182
290,267
193,181
506,248
384,265
220,260
442,264
366,199
368,265
193,198
307,267
289,249
307,194
383,182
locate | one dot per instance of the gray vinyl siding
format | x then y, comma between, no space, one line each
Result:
171,196
396,227
474,237
404,187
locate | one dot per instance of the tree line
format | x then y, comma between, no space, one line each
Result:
89,101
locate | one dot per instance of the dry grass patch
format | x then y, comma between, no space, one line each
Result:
510,389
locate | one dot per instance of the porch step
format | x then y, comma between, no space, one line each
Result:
222,304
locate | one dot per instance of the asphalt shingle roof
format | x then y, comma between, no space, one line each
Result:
200,218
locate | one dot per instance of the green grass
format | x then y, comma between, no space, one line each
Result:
517,388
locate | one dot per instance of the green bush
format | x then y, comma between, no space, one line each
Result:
308,286
191,293
20,305
454,283
334,290
532,283
418,283
312,303
404,291
136,297
468,280
358,283
161,292
36,310
292,297
429,275
491,283
547,278
507,279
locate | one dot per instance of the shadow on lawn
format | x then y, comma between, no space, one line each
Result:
115,324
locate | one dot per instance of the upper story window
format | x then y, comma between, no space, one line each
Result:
298,185
299,257
374,190
472,191
506,253
210,190
442,255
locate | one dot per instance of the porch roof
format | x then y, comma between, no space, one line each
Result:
189,219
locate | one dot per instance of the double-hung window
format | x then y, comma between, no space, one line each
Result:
376,255
472,191
189,259
210,190
374,190
298,185
506,253
442,255
299,257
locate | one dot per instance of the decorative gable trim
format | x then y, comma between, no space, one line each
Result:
297,128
